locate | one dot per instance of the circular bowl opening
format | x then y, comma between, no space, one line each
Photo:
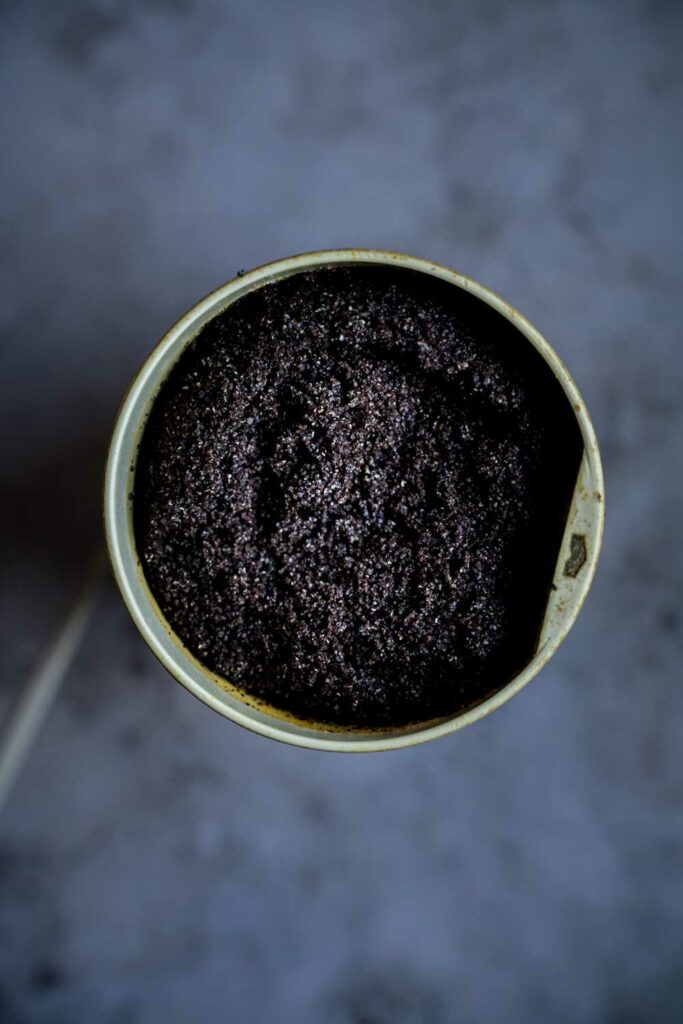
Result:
575,567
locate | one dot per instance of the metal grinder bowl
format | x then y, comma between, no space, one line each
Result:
576,560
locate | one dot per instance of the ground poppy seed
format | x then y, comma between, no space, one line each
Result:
350,496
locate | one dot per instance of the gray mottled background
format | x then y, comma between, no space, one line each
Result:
160,865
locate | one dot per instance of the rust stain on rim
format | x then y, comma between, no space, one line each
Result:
568,590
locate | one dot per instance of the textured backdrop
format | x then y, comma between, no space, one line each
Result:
160,865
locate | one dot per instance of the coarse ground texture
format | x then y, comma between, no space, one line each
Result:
351,493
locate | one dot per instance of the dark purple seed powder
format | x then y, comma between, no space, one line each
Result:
350,496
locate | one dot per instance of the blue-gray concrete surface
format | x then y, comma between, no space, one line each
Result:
160,865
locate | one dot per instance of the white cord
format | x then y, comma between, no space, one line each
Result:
39,692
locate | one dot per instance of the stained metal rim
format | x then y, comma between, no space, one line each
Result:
586,514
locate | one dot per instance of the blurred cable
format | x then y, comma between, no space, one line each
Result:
39,692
